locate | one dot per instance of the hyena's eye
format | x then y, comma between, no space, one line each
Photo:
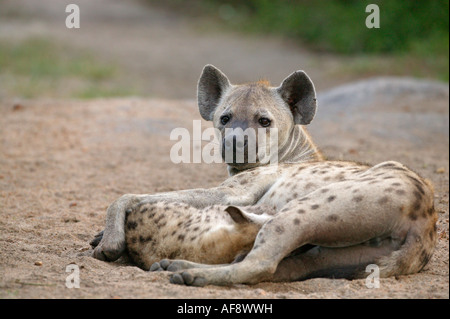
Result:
265,122
224,119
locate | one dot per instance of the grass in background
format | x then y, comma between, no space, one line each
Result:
413,35
37,65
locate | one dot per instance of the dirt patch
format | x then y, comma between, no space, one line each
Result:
63,162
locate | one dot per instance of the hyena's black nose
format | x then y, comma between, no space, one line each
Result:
235,149
233,144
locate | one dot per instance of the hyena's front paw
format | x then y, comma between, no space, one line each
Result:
97,239
109,251
112,243
189,279
173,265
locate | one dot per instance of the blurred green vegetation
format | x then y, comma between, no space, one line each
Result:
36,65
415,30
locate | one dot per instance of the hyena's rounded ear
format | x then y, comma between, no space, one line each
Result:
210,89
297,90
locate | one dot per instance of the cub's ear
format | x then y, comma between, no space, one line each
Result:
297,90
211,87
240,216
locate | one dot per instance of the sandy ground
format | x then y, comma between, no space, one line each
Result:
62,162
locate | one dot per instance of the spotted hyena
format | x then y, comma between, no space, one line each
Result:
304,217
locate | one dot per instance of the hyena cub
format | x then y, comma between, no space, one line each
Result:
214,235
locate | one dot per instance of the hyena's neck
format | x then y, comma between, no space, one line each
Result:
299,148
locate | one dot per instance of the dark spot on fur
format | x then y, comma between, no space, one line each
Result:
424,257
413,215
162,224
417,195
131,225
296,221
143,210
331,198
309,185
398,168
355,190
160,218
324,190
432,234
300,168
400,192
413,179
358,198
315,206
279,229
326,179
396,184
301,211
389,189
332,218
181,237
388,177
387,165
420,189
383,200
